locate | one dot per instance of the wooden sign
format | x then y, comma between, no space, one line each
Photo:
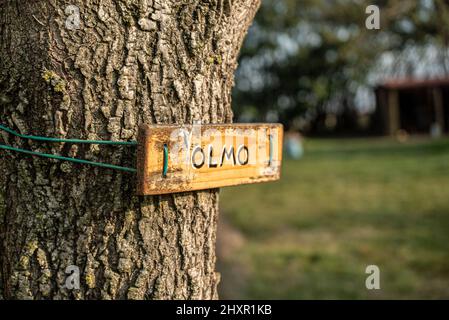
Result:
175,159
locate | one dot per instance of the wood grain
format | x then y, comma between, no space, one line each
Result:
207,156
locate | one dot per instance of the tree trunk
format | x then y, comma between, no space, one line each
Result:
128,62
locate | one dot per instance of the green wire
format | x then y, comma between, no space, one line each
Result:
52,156
165,169
77,141
271,150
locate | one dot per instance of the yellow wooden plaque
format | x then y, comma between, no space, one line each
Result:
175,159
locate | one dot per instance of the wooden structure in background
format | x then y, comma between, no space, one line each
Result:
413,105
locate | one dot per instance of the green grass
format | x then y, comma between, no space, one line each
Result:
346,205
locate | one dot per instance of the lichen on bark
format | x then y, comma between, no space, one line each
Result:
128,63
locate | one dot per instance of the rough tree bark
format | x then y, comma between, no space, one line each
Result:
130,62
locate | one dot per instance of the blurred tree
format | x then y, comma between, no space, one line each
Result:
304,60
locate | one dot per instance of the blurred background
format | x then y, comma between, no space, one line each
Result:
365,178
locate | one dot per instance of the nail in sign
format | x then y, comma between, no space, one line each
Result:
175,159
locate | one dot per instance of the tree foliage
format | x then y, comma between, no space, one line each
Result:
303,59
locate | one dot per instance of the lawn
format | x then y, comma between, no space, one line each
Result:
346,205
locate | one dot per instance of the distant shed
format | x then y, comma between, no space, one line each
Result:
415,106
